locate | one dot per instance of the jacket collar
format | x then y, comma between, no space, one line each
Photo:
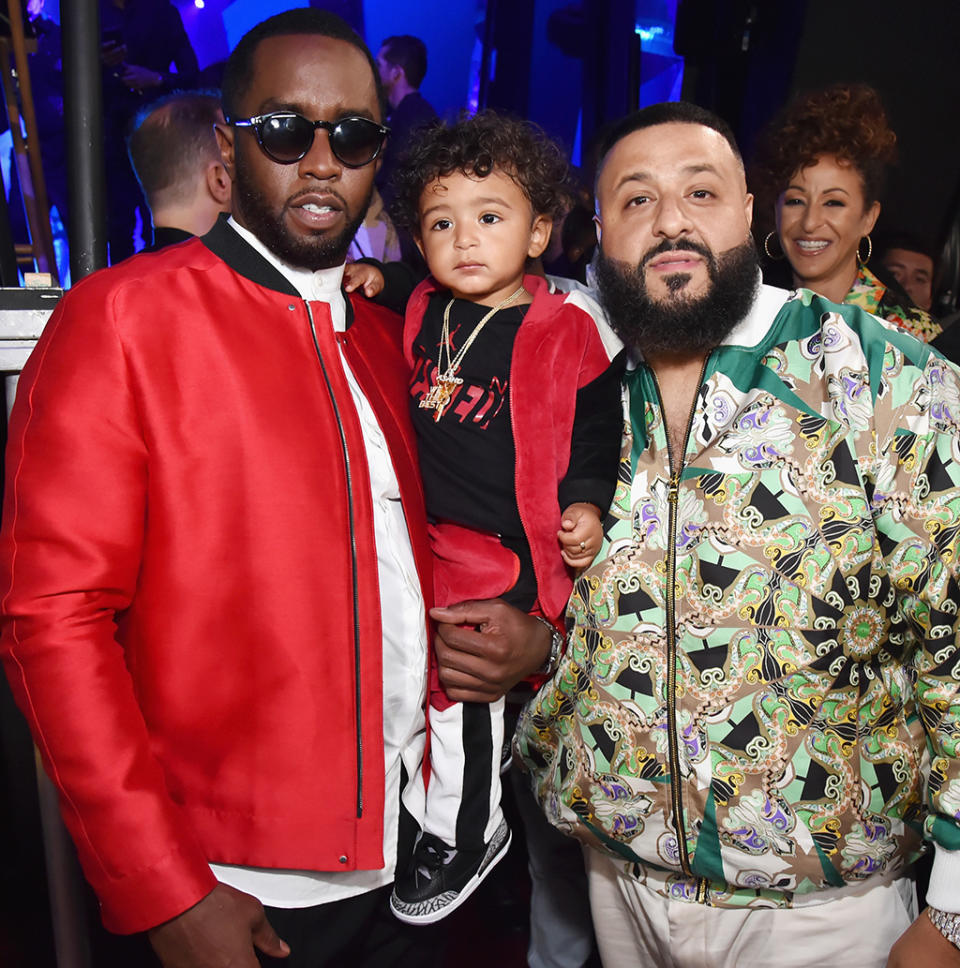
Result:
227,244
751,330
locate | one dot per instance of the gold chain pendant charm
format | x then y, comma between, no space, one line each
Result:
440,393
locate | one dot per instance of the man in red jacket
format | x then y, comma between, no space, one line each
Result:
214,545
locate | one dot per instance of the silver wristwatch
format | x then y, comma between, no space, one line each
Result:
947,924
550,664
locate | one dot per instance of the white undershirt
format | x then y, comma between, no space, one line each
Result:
404,637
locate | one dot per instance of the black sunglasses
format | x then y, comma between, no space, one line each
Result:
287,137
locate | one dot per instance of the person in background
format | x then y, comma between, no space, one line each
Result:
46,75
145,52
578,241
174,153
376,236
756,722
912,263
821,168
402,62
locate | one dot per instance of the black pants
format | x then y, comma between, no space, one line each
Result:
360,932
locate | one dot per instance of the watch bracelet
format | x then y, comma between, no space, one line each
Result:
556,647
947,924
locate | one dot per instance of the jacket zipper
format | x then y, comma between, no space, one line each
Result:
671,630
523,523
353,559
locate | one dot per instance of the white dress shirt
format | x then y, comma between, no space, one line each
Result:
404,639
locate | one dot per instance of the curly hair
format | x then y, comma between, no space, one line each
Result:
477,146
846,120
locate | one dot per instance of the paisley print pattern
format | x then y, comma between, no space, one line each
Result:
813,538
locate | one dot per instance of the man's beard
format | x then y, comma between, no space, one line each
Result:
303,252
679,324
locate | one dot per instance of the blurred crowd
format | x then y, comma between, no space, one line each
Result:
818,174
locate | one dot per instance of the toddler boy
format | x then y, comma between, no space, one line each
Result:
516,403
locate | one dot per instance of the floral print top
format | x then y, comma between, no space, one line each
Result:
869,293
763,669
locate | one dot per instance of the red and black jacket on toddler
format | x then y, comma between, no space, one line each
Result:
534,427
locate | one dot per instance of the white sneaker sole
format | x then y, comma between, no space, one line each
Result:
437,908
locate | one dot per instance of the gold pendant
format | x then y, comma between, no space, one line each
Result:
440,393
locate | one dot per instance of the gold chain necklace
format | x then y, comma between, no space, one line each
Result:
440,394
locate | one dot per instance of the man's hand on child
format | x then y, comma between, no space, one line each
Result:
485,648
580,534
363,276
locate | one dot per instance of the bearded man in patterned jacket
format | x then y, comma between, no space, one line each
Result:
756,725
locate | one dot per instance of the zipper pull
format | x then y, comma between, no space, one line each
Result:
674,492
701,890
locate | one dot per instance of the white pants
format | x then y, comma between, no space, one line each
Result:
637,928
463,798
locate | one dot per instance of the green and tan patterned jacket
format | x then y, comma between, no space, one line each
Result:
764,654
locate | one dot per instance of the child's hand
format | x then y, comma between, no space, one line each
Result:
580,534
362,275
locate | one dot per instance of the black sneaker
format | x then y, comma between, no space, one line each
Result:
440,877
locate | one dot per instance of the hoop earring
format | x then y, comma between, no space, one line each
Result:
766,248
863,262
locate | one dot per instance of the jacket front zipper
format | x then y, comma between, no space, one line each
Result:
353,559
673,739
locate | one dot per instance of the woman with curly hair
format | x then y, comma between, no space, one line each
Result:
822,164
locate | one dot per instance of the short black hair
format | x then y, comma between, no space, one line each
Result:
238,72
909,243
409,54
668,112
171,140
478,146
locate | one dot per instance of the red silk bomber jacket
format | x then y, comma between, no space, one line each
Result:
191,617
